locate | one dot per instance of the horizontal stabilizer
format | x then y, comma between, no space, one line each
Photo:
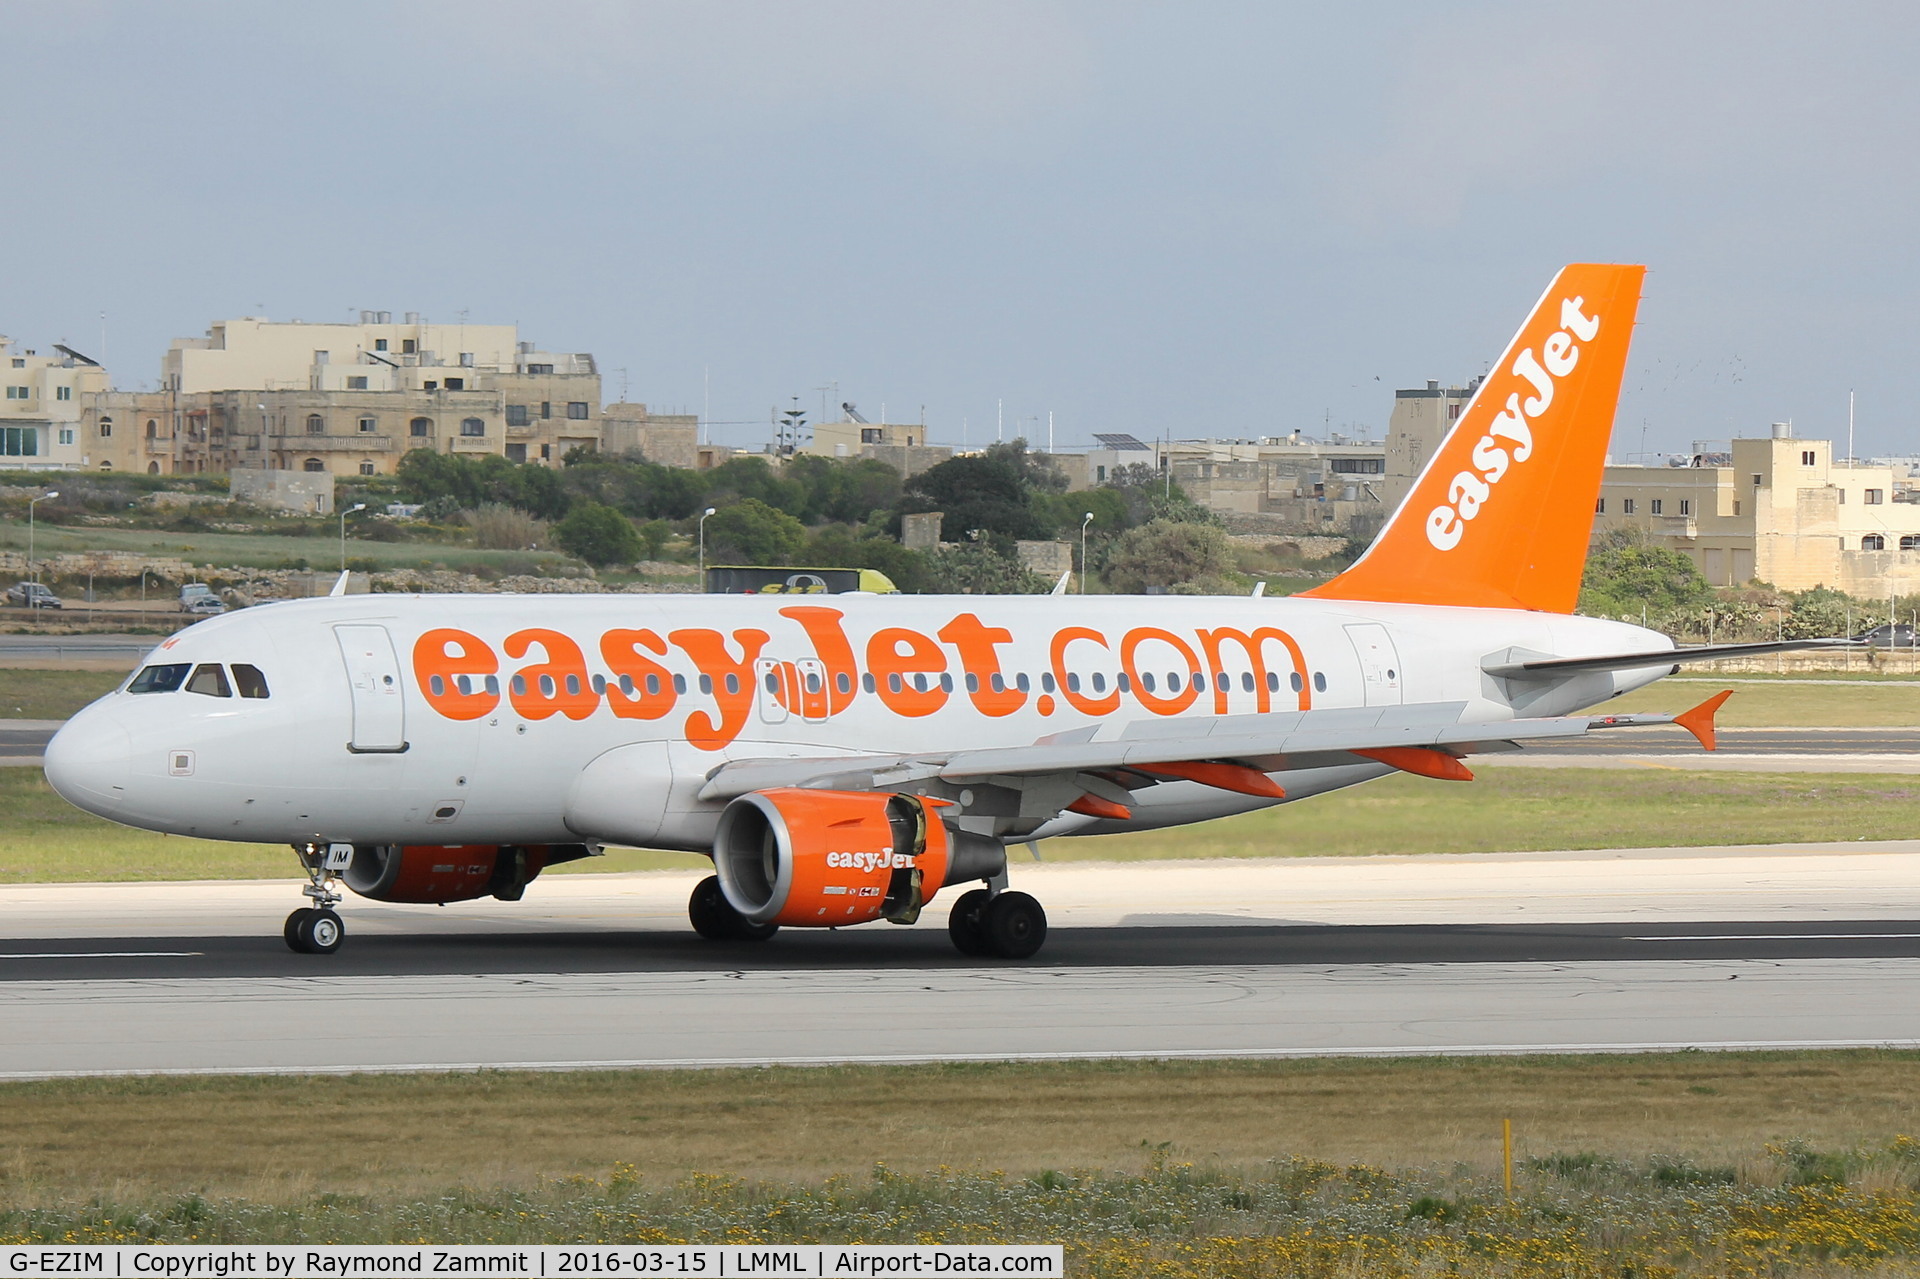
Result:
1548,668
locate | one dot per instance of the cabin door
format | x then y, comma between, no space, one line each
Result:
373,674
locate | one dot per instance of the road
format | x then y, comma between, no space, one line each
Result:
1577,951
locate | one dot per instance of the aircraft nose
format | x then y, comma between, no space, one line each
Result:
89,761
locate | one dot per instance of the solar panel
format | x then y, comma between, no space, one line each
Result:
1121,443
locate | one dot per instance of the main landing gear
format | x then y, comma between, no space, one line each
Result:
715,919
1004,925
317,929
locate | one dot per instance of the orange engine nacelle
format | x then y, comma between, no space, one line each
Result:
450,873
822,859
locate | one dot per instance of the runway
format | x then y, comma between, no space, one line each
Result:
1590,951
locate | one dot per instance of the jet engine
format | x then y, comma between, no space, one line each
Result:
822,859
436,873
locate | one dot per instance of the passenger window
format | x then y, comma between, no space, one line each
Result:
249,681
160,679
209,680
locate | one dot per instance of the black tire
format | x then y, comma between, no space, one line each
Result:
715,919
292,932
1014,926
321,932
965,924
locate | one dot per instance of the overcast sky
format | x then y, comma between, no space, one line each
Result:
1188,218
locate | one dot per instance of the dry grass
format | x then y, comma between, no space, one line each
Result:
45,694
285,1139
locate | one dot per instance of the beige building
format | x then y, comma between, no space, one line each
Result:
901,445
40,416
667,439
1293,480
1421,418
348,399
1781,511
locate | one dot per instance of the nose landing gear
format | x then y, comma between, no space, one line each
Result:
317,929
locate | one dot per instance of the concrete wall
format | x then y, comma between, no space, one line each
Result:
301,492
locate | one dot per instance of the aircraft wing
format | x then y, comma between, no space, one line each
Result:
1422,738
1518,665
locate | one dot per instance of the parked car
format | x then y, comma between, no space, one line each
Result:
193,591
33,595
205,605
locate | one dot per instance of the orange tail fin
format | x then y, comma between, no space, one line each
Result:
1501,515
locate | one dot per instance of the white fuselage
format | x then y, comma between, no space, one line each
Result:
380,728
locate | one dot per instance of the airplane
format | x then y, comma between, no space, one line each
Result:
843,759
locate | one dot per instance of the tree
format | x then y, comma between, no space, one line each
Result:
653,537
838,546
1184,557
753,477
978,569
993,492
751,532
843,490
1626,573
598,534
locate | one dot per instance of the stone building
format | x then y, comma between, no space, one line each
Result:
347,399
1778,510
901,445
667,439
1287,481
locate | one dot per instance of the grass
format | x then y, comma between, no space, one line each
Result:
410,1134
45,840
1678,1165
43,694
1838,701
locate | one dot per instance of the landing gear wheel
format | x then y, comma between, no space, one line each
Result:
315,932
965,922
1013,926
291,932
715,919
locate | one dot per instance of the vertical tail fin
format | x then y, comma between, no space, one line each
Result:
1501,515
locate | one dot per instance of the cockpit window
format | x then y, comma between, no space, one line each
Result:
249,680
160,679
209,679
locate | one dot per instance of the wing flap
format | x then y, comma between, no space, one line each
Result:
1269,743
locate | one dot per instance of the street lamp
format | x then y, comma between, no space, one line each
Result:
1083,551
31,503
361,506
703,547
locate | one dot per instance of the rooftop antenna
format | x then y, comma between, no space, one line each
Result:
1049,432
623,383
999,420
706,399
1849,425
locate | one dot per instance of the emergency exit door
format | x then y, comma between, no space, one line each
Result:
1379,664
373,675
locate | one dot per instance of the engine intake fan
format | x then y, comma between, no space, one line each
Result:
823,859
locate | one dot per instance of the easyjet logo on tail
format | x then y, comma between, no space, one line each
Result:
1502,513
1508,442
